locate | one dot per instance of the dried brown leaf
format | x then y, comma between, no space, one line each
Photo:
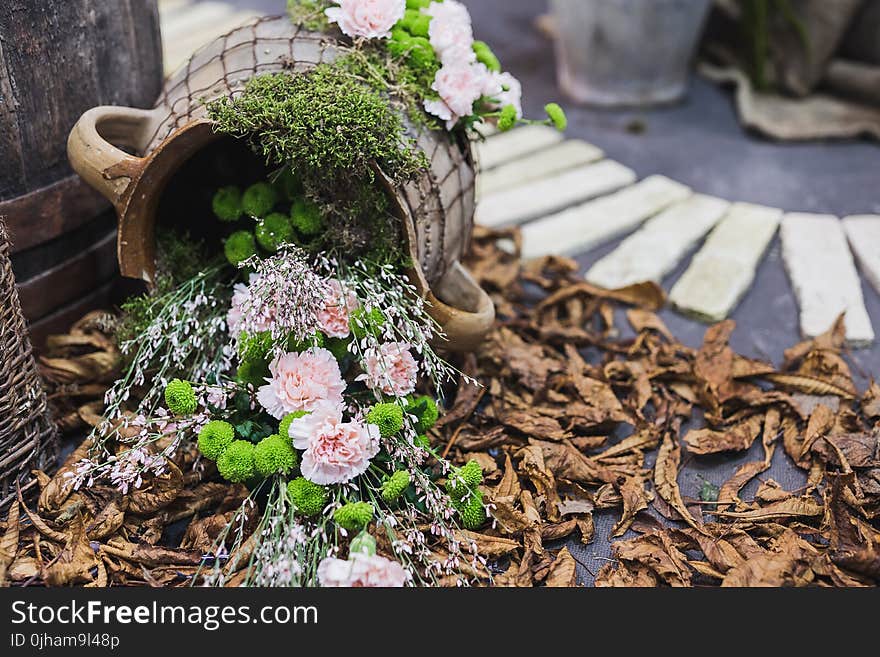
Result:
563,572
666,477
736,438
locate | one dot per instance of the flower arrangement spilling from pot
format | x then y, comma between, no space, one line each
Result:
300,359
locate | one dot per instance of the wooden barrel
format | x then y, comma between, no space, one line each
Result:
58,58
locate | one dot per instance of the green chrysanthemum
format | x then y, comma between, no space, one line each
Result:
354,515
259,199
423,441
180,398
273,231
308,498
284,426
472,511
393,487
557,116
415,22
236,463
425,409
240,246
388,417
306,217
418,4
464,480
507,119
227,203
274,455
486,56
214,438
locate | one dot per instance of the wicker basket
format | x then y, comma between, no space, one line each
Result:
28,439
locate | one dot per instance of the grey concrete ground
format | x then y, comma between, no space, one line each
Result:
701,144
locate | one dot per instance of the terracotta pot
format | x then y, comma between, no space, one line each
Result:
436,209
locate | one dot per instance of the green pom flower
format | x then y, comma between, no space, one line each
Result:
507,119
472,511
425,409
354,515
393,487
253,346
557,116
180,398
306,217
486,56
417,4
214,438
239,246
364,543
259,199
388,417
227,203
415,22
308,498
363,323
236,463
274,455
423,441
289,184
284,426
472,474
422,55
273,231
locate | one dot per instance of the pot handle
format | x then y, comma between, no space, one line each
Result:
465,327
93,154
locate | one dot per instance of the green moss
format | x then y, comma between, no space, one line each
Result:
309,14
308,498
274,455
388,417
236,463
239,246
180,398
306,217
354,516
273,231
259,199
214,438
486,56
227,203
557,116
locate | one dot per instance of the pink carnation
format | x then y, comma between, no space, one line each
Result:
459,87
240,295
367,18
390,368
335,451
302,382
333,318
506,90
361,570
450,32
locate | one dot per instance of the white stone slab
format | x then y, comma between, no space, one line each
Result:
543,164
863,232
659,245
506,146
722,271
585,226
823,275
541,197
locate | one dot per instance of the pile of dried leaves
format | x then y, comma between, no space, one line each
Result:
559,386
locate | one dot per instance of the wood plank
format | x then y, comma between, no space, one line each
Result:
723,270
863,232
544,164
659,245
504,147
823,275
586,226
541,197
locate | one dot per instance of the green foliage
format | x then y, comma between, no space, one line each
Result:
353,516
259,199
274,455
274,230
306,217
180,398
395,485
284,426
756,20
317,340
308,498
507,119
425,409
227,203
214,438
486,56
236,463
254,372
423,441
239,246
388,417
708,491
362,543
362,322
557,116
338,347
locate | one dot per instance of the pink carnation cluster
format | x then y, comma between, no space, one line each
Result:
361,570
302,382
390,368
371,19
335,451
333,318
461,80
